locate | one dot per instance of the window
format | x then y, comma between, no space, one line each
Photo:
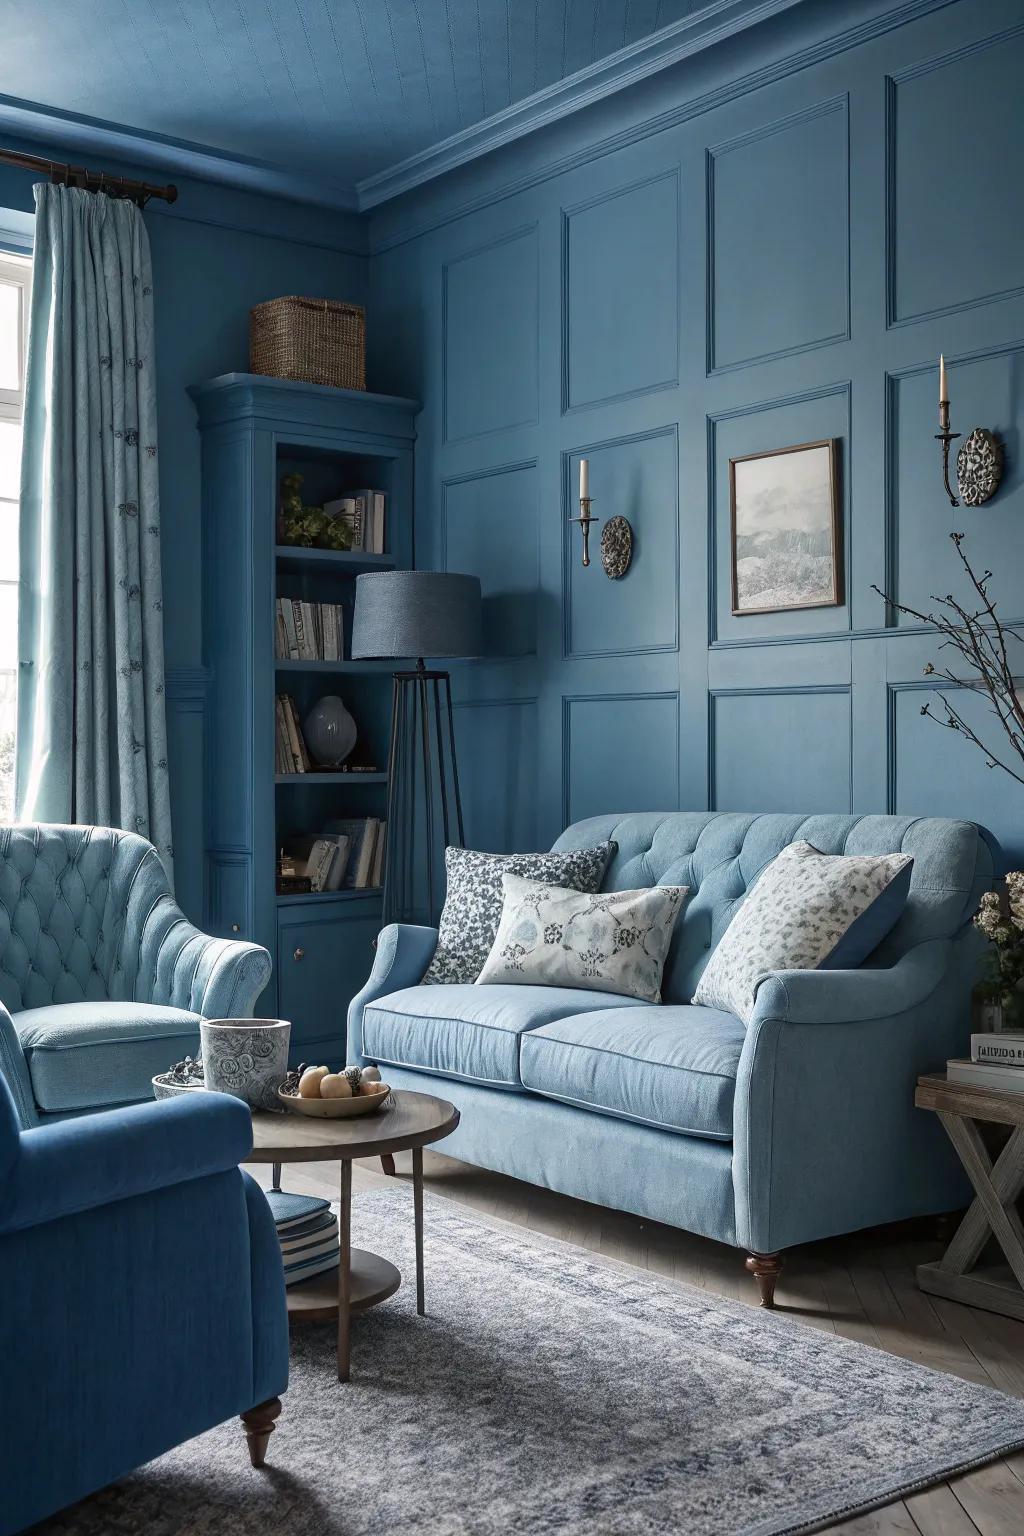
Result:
15,279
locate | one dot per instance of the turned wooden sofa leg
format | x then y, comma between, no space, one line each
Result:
387,1162
766,1269
258,1424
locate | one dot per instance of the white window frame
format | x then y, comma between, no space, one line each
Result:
17,270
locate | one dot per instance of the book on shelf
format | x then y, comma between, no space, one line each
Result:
364,834
985,1074
327,861
309,631
290,755
364,512
999,1050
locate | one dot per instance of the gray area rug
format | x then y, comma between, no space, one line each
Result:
552,1391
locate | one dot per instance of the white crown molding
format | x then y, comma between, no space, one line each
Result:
670,45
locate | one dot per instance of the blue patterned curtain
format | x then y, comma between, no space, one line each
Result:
92,741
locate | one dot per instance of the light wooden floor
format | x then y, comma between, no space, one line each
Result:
861,1287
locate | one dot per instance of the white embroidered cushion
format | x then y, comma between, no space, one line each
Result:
806,910
613,941
472,905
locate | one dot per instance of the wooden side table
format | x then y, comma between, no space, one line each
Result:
361,1279
993,1212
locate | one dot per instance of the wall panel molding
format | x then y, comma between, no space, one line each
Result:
948,192
712,156
572,701
712,424
586,205
782,691
515,538
526,417
615,590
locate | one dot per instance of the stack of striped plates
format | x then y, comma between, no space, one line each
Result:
307,1228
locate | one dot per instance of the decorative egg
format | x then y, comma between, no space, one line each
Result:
371,1074
335,1086
309,1082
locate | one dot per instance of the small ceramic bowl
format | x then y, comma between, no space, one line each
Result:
336,1109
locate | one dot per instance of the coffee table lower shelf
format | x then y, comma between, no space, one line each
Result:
316,1300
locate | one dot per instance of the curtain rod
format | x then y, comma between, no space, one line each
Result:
90,181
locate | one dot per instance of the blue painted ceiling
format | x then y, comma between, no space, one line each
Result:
336,89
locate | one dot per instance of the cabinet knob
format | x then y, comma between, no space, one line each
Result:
236,928
299,954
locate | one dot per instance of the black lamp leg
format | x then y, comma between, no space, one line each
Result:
455,762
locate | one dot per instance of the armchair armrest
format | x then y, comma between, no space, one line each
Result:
826,1138
403,953
94,1160
182,967
14,1071
846,997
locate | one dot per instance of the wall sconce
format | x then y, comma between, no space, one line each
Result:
979,464
616,537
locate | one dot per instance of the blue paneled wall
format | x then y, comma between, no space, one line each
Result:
216,252
767,246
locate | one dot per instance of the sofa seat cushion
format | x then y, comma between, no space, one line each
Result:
670,1067
92,1055
468,1032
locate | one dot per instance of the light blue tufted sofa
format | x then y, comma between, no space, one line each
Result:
103,980
792,1128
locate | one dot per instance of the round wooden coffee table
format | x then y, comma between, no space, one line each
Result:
410,1122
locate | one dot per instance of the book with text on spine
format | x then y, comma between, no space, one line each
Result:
999,1050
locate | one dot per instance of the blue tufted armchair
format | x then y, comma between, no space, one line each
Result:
103,980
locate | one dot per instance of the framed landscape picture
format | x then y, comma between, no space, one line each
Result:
786,529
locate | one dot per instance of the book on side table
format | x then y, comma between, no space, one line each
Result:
307,1229
997,1061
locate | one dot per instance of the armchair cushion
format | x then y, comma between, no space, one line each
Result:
469,1032
96,1054
673,1068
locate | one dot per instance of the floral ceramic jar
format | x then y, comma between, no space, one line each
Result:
247,1058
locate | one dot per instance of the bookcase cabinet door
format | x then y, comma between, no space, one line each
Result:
322,961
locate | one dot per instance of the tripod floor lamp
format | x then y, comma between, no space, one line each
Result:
400,615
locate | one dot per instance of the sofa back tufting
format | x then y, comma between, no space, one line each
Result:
719,855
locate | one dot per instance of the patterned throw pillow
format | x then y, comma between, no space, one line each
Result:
806,910
472,906
611,942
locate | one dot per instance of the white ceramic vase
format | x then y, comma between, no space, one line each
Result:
247,1058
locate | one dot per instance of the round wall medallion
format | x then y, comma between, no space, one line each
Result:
616,547
979,467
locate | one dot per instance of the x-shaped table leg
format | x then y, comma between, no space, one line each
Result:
993,1210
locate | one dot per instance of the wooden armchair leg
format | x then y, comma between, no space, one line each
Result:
766,1269
387,1162
258,1424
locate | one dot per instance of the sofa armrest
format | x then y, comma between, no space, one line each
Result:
826,1138
78,1164
179,966
846,997
403,953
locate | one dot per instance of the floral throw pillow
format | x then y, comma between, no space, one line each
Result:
611,942
472,905
806,910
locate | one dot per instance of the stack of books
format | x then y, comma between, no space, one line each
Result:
346,855
307,1229
309,631
364,512
290,754
997,1061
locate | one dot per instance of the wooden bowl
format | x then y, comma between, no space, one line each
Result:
335,1109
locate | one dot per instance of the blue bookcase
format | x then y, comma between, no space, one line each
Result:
254,430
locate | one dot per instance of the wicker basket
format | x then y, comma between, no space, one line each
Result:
319,341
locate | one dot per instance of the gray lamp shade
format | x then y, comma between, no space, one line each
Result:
416,613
